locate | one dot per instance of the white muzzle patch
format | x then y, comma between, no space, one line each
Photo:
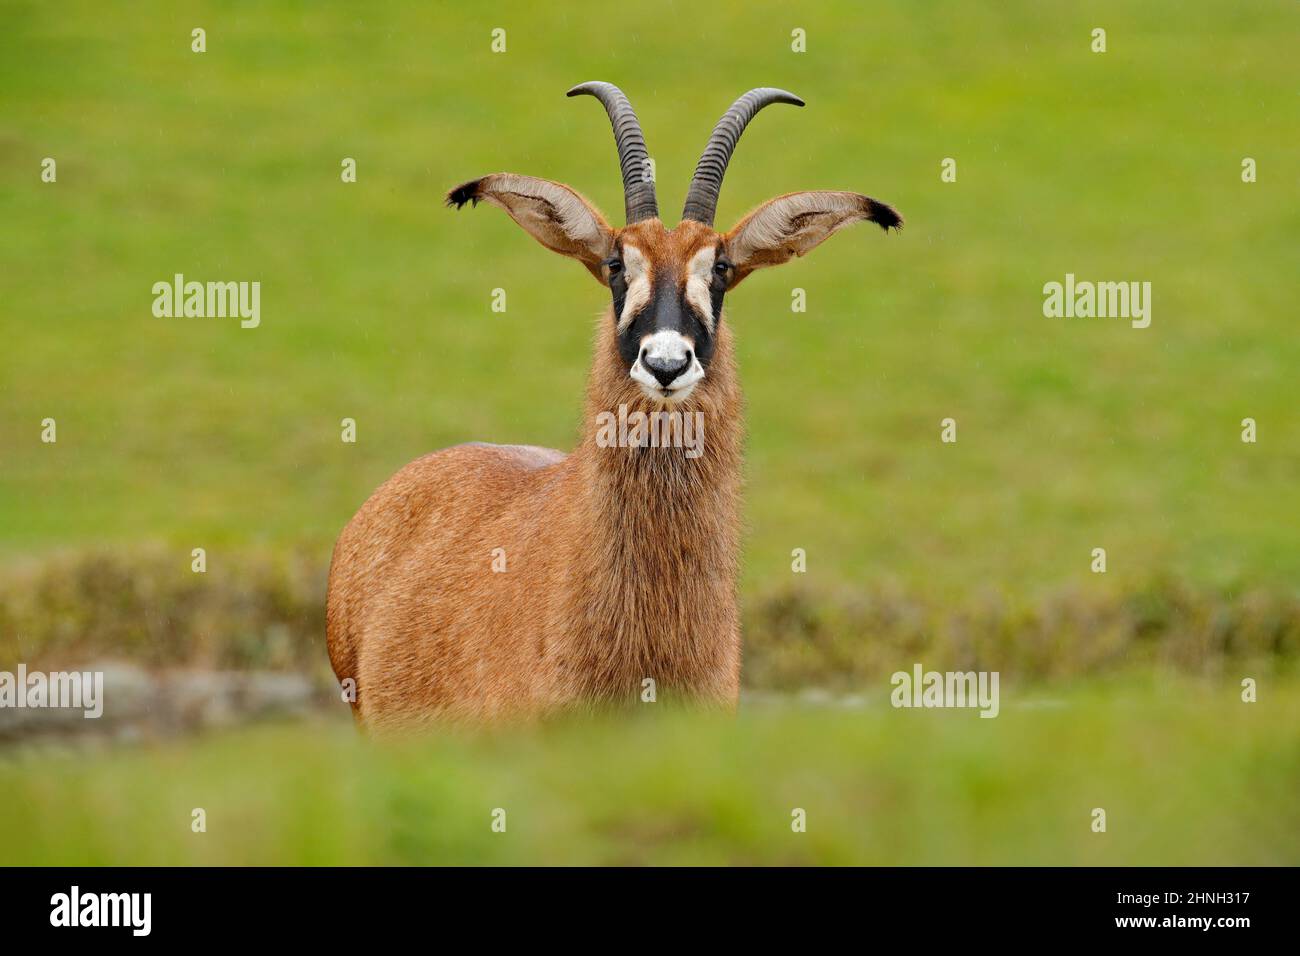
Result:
667,349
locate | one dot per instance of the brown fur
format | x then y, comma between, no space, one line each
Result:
621,562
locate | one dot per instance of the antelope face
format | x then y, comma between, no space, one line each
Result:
667,290
667,286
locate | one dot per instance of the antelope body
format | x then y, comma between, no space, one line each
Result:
494,581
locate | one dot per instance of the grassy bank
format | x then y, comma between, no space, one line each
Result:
265,611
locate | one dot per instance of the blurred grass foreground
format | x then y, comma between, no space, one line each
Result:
1184,772
1131,706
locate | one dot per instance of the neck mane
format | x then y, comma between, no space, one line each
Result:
656,574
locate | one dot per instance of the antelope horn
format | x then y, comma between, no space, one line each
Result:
702,197
638,187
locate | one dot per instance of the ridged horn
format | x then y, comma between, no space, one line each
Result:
702,197
638,188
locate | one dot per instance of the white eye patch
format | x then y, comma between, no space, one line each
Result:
636,272
699,279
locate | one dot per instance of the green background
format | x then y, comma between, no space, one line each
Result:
1073,434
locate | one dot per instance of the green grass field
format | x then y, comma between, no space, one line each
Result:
375,299
1186,774
1072,433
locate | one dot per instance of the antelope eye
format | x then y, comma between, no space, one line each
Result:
721,267
614,266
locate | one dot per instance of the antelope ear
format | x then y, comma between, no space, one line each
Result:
794,224
551,213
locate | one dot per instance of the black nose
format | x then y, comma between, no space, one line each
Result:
665,370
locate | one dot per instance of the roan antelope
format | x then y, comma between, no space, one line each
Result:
620,563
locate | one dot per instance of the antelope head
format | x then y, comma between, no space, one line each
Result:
668,285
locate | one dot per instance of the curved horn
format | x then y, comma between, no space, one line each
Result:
638,188
702,197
